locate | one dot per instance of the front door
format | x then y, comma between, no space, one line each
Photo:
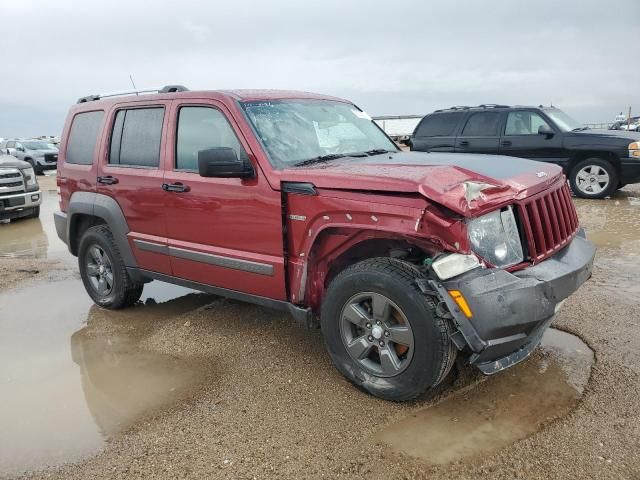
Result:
224,232
521,138
481,133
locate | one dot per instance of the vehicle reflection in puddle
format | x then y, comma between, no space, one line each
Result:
35,237
507,407
62,397
614,226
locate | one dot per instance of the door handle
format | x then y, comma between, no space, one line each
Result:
464,143
107,180
175,187
506,143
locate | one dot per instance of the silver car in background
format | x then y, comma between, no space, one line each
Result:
42,155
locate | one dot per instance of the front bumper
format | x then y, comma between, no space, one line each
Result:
511,311
630,170
19,204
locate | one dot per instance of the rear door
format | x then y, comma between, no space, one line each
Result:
521,138
131,173
224,232
481,133
437,132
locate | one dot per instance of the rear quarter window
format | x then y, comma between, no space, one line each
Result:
439,125
83,137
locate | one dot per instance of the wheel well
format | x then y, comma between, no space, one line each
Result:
80,222
381,247
578,157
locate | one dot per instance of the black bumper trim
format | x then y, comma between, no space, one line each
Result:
510,310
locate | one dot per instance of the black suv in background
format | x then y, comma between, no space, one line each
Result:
597,162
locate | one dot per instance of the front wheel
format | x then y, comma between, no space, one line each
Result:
593,178
103,272
383,333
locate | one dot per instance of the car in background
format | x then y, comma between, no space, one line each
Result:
596,162
20,195
42,155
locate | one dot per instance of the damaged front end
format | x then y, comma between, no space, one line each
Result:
532,256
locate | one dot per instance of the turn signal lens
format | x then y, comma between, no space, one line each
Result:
461,302
634,149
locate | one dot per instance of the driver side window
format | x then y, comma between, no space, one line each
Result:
524,123
201,128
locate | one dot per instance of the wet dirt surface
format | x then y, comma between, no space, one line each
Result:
65,387
504,409
257,397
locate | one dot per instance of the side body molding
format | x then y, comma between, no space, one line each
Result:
106,208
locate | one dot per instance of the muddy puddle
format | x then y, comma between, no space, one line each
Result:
36,237
508,407
614,226
71,374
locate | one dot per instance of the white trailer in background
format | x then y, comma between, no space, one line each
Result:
398,127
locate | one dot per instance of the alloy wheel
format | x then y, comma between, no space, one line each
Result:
377,334
592,180
99,270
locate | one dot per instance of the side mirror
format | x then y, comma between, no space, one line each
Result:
222,162
546,131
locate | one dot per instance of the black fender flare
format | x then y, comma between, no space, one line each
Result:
105,208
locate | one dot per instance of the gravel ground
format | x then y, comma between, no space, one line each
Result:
274,407
18,271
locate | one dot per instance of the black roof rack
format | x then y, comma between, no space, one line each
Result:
165,89
466,107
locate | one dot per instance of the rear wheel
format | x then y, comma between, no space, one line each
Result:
593,178
383,333
37,169
103,272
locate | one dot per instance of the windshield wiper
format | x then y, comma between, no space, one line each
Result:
580,129
329,156
377,151
320,159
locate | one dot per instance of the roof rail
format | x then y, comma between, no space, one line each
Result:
165,89
466,107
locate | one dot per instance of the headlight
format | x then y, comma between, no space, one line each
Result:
634,149
29,177
495,238
454,264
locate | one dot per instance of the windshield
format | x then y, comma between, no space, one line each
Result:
38,146
563,121
297,131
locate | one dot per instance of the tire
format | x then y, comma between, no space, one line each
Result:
35,213
103,272
593,178
37,169
424,353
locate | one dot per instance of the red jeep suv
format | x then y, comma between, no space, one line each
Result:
299,202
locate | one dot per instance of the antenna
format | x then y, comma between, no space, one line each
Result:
132,83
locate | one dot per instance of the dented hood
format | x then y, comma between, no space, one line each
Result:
464,183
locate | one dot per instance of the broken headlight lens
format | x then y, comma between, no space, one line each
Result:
495,238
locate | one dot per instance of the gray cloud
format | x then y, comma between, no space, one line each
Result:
389,57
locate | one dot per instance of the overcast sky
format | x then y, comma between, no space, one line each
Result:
389,57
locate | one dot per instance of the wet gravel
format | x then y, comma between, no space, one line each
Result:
274,407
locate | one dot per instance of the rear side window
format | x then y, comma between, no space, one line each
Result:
439,125
482,124
201,128
136,137
83,137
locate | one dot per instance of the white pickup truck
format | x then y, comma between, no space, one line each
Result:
20,195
